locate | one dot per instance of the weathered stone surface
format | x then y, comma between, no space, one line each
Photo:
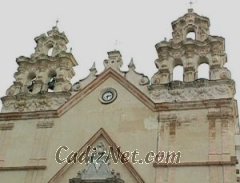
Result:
41,75
190,53
43,111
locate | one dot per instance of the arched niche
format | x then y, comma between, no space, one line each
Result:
190,32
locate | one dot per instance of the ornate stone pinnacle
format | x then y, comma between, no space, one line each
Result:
57,21
131,65
93,68
114,60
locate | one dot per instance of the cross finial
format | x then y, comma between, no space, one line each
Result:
191,3
57,21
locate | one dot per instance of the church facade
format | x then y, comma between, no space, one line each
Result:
121,126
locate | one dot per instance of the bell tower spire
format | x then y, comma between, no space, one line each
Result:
42,81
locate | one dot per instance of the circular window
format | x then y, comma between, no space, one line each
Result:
108,95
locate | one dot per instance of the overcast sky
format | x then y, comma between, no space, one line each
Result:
93,26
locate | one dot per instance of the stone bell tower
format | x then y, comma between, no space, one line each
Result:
199,116
43,80
191,53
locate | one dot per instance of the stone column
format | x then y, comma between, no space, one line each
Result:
167,137
5,136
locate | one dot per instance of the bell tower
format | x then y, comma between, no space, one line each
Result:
42,81
191,52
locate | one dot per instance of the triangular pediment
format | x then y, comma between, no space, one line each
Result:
101,134
109,73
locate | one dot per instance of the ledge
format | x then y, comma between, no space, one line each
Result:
215,103
109,73
191,164
19,168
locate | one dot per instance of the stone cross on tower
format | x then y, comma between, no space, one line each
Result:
191,4
57,21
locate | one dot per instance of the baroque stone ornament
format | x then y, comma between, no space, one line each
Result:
139,80
190,52
98,169
84,82
42,80
194,91
114,60
38,102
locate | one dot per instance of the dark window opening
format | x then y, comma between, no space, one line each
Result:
52,83
30,87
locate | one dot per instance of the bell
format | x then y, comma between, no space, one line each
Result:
30,87
51,83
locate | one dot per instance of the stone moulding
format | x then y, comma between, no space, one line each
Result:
6,126
23,168
165,106
232,162
220,115
37,102
193,91
191,164
45,59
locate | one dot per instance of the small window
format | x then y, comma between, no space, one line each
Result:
52,82
32,82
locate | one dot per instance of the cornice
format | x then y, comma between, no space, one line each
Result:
110,73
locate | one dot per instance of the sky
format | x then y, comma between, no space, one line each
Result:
94,26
